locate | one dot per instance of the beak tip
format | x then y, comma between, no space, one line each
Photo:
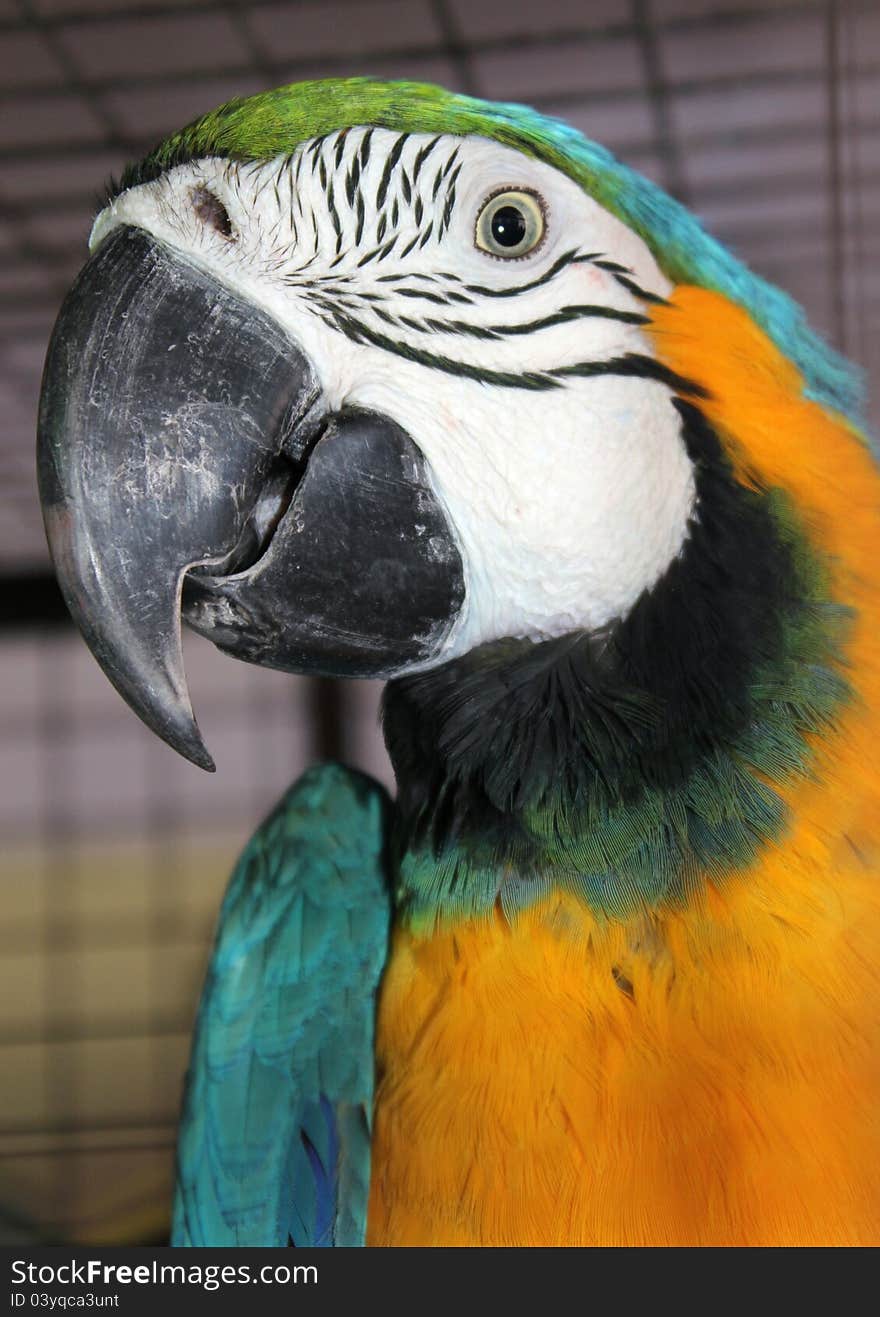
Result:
178,728
194,750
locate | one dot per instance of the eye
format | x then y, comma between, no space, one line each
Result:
511,224
211,211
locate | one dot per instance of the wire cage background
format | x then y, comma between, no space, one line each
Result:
763,117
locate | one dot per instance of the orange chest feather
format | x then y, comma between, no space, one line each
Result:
708,1078
700,1076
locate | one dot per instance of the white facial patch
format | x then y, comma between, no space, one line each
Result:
529,384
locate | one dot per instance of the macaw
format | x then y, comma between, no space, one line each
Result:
371,379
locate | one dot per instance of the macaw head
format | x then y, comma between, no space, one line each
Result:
360,377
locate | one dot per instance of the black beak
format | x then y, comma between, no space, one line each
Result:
181,427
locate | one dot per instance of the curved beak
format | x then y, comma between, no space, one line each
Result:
182,434
166,402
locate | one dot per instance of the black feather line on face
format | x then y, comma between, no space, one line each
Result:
351,181
482,290
334,217
600,717
390,165
340,146
629,364
422,157
624,276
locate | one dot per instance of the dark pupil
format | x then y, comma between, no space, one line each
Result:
508,226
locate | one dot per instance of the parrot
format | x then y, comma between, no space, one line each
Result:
373,379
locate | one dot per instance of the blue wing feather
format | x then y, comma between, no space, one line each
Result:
274,1143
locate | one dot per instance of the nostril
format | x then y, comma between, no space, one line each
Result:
211,211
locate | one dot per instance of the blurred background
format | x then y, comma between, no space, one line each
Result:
763,117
